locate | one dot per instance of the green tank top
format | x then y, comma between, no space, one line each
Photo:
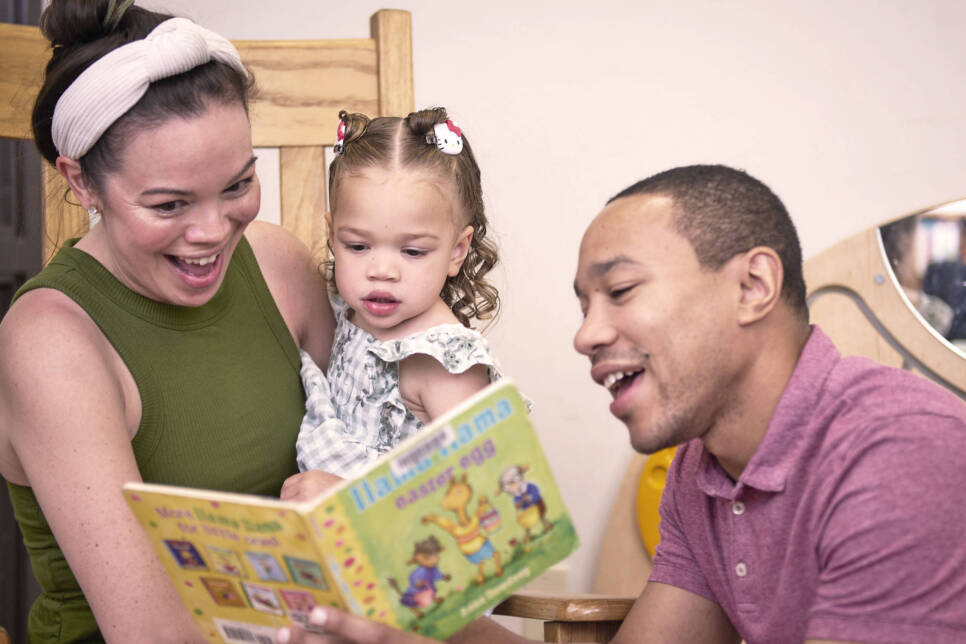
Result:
221,403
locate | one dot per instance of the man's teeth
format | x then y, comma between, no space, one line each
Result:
200,261
610,382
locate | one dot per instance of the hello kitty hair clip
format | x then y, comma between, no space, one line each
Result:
447,137
339,146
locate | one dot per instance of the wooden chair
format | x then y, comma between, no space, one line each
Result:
302,86
855,298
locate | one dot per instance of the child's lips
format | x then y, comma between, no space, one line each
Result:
380,303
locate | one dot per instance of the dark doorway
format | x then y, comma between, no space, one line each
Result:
20,258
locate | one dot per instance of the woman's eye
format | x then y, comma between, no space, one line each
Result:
239,186
168,207
617,293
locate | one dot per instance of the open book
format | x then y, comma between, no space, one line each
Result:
430,536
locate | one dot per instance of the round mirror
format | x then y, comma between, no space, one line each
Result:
927,254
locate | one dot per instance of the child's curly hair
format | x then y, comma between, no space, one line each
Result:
390,141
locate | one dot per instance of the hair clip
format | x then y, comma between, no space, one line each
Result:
339,146
447,137
113,18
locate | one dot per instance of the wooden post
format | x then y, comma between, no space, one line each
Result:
392,31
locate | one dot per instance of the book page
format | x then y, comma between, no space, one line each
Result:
242,568
451,522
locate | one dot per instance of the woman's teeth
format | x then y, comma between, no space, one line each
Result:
200,261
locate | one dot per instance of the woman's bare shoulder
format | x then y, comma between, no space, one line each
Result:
294,278
41,320
52,354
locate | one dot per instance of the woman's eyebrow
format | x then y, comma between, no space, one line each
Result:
178,191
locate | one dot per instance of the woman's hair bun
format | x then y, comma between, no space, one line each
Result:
73,22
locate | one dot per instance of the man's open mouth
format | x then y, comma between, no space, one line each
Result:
619,380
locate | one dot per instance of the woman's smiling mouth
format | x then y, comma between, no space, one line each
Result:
197,272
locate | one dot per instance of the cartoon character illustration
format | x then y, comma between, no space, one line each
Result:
266,566
185,553
223,592
263,598
530,506
306,572
466,529
422,581
225,561
448,137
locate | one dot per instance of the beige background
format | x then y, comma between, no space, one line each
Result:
851,110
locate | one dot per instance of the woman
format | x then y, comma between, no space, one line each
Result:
163,344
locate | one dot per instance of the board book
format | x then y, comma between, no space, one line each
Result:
427,538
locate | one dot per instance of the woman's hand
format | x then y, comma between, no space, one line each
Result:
306,486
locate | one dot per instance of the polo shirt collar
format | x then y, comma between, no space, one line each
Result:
786,437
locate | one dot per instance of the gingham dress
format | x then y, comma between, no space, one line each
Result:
357,413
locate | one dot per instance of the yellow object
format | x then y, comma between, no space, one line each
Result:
649,492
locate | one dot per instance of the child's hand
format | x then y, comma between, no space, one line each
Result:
305,486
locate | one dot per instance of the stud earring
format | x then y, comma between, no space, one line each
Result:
93,215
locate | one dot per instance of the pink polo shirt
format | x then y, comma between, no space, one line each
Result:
849,522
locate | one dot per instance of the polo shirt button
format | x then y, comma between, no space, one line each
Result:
741,569
738,508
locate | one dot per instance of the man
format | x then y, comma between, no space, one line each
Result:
813,498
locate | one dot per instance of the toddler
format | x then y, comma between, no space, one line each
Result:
409,255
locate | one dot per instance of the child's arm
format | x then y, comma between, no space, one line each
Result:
429,390
307,485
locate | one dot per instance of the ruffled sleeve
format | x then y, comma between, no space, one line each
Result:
454,346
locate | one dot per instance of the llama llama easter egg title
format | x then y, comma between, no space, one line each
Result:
441,445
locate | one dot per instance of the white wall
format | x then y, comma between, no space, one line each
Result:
851,110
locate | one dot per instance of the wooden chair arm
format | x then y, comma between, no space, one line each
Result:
565,607
570,617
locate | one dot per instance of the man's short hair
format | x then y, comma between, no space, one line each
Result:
722,212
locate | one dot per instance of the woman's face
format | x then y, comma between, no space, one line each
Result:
174,212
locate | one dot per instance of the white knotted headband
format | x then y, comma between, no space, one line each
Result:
112,85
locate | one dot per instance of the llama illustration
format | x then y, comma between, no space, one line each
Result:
470,539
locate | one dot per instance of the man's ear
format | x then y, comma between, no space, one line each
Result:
71,171
460,249
761,275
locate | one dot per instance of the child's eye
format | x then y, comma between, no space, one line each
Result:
413,252
355,247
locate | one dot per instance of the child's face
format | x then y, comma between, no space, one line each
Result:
395,239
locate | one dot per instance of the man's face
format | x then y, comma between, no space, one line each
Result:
656,325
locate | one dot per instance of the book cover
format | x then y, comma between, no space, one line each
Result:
430,536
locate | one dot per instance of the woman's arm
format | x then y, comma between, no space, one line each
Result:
296,284
68,411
